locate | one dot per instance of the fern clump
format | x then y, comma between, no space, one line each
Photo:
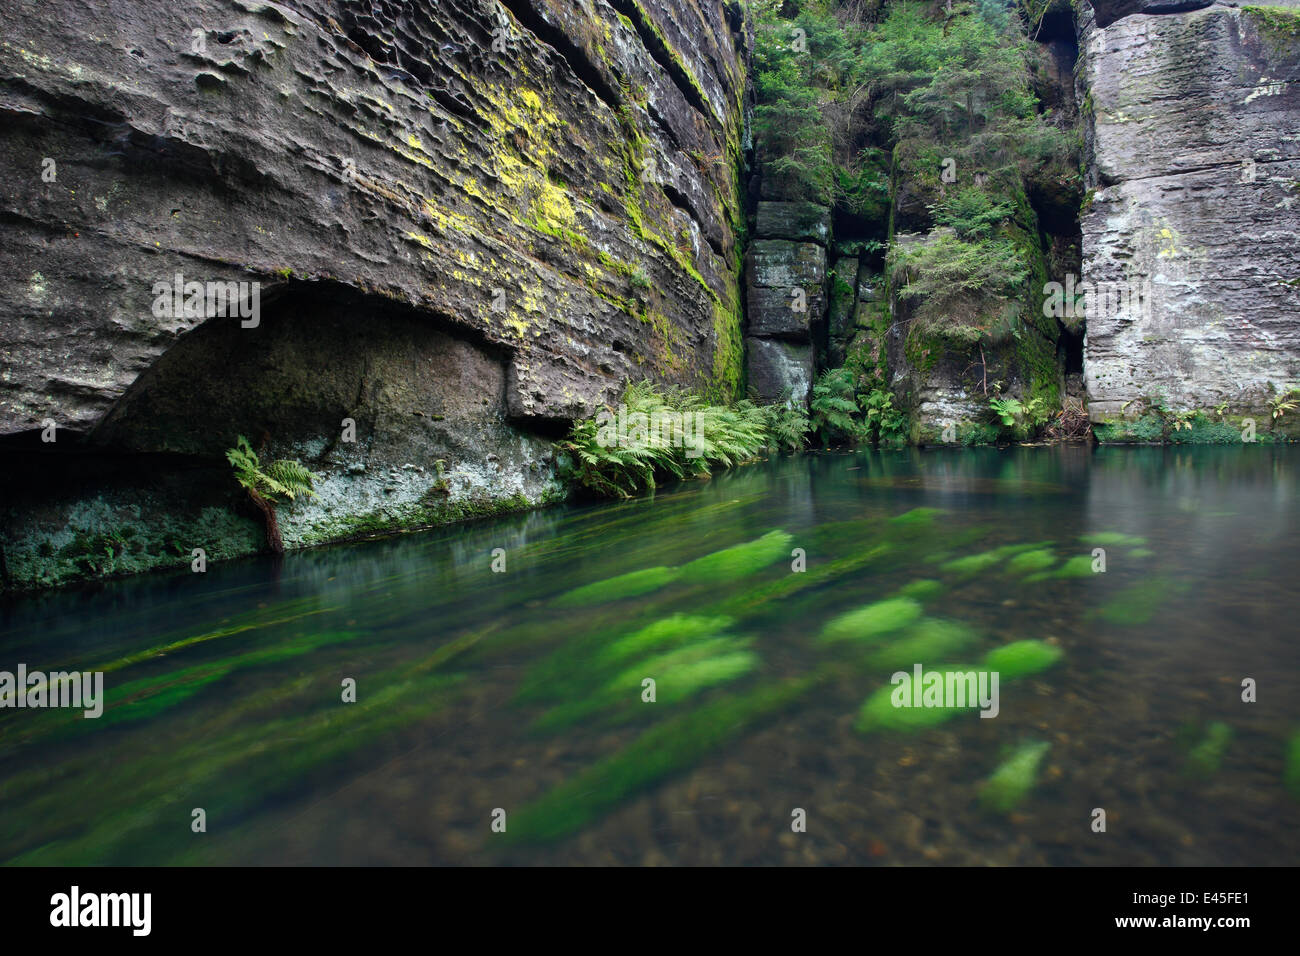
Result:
836,417
660,436
280,479
843,415
268,487
1021,419
787,426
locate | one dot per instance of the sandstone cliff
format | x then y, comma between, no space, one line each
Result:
468,223
1195,169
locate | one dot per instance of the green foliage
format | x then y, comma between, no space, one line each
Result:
1021,419
842,414
787,426
835,414
94,554
809,120
1288,401
899,100
280,479
1279,25
1007,409
964,287
886,424
1148,428
971,213
962,81
670,435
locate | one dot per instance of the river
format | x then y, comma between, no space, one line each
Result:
696,678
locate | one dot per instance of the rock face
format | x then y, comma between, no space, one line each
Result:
798,221
779,371
1190,241
841,313
465,224
1108,11
785,283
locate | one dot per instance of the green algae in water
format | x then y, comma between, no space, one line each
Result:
789,585
253,621
682,676
1037,560
1112,539
879,713
665,633
741,561
872,621
1021,659
932,641
632,584
917,516
1014,778
921,590
149,697
1079,566
228,772
665,749
677,674
576,672
1138,603
974,563
1205,759
1291,769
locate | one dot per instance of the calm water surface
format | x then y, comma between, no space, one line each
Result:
522,690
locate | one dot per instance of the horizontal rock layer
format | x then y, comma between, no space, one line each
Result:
465,223
505,170
1189,243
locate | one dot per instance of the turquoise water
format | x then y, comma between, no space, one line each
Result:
516,696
